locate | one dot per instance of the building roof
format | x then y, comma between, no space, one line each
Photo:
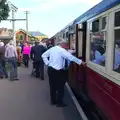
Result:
21,30
26,33
36,33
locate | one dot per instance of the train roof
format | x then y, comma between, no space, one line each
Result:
96,10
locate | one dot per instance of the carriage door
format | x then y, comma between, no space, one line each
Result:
73,67
81,53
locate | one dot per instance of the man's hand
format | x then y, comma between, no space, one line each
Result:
83,63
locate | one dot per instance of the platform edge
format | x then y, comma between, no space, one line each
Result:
80,111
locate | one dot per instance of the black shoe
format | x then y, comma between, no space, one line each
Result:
6,76
37,76
53,103
42,78
16,79
62,104
1,77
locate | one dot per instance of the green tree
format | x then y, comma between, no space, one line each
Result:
4,10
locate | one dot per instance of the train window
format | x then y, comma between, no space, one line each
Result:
72,42
95,25
104,22
98,47
90,26
63,35
116,65
117,19
67,34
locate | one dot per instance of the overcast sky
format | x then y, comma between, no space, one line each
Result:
49,16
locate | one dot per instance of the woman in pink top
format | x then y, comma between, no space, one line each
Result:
26,53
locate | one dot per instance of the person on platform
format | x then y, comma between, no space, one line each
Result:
26,53
19,54
56,65
11,55
36,52
49,45
3,71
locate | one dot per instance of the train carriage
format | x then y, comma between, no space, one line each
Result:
95,36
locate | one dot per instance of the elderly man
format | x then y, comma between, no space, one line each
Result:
56,64
11,55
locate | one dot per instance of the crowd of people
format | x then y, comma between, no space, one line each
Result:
57,58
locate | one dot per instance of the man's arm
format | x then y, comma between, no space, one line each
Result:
45,56
15,52
70,57
6,52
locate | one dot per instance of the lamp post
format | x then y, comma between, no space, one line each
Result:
27,37
13,9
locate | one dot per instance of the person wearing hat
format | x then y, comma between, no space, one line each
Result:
56,65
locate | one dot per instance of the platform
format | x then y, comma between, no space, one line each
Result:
28,99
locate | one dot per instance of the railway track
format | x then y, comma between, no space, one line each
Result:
89,108
86,108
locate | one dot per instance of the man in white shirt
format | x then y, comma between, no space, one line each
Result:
56,63
11,55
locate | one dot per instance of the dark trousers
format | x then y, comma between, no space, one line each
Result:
39,68
56,83
26,60
13,68
3,71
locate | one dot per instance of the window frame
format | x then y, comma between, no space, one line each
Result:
113,73
107,72
88,37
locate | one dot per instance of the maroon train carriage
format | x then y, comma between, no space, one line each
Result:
95,36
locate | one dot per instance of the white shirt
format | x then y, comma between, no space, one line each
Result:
57,56
10,51
72,51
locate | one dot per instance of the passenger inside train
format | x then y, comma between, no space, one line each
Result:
117,56
99,59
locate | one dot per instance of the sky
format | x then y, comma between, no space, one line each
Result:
48,16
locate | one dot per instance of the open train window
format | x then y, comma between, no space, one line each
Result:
117,19
95,25
63,35
67,34
104,23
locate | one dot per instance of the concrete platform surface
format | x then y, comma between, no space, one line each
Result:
28,99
